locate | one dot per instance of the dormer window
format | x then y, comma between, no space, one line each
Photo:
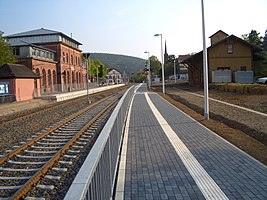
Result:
230,48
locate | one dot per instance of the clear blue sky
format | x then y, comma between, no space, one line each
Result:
128,26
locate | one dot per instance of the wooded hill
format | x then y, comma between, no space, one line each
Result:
122,63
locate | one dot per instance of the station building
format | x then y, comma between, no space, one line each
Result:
229,59
53,56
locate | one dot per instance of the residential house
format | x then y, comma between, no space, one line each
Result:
114,77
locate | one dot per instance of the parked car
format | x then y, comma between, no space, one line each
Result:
262,80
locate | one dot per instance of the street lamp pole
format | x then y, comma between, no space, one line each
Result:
149,74
97,76
162,64
174,70
87,86
205,67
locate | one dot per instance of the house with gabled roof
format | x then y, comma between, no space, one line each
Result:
114,77
229,60
54,56
22,82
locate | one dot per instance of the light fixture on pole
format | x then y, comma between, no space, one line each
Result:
87,86
148,74
162,64
205,67
97,75
174,70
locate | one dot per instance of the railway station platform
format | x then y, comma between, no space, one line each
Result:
168,155
75,94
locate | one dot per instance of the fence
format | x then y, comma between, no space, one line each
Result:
96,178
221,76
244,77
58,88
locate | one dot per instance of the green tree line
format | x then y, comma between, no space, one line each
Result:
6,52
260,51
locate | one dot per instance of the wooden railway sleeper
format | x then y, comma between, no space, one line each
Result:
45,168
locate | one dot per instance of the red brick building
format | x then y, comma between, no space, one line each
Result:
54,56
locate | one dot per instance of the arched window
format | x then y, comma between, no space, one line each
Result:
43,78
49,78
67,58
63,57
71,59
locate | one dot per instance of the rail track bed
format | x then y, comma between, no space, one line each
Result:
44,165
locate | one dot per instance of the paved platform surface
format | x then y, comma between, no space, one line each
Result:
168,155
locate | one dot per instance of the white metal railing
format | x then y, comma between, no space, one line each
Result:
59,88
96,178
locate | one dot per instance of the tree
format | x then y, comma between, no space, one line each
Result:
259,54
253,38
138,78
6,52
265,41
155,65
96,67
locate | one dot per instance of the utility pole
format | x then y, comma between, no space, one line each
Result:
205,67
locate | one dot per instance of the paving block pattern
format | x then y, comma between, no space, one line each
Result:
155,171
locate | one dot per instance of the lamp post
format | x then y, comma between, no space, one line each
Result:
174,70
162,64
87,86
149,74
97,75
61,73
205,67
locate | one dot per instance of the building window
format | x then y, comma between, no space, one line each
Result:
16,51
63,56
51,56
229,48
223,68
243,68
71,59
47,55
67,58
38,53
34,52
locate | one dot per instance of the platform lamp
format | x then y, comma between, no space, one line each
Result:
149,74
162,64
174,69
87,84
205,67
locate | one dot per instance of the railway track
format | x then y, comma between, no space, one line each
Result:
31,113
16,127
31,169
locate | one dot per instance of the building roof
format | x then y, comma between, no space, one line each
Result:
235,38
231,37
40,32
16,71
218,32
181,58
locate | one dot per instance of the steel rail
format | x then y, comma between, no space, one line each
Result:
35,178
29,115
31,142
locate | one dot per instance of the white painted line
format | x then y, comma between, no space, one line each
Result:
206,184
229,104
122,168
